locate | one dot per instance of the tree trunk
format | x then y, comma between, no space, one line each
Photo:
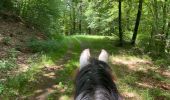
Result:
120,25
168,30
129,3
163,45
156,17
80,26
89,30
164,17
71,25
137,22
74,21
74,17
80,19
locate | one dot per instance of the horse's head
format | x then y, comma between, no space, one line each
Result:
94,78
85,57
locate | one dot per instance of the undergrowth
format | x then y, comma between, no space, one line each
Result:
68,49
10,61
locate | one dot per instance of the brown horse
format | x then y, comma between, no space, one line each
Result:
94,79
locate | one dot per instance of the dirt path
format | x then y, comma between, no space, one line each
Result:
15,35
46,84
46,79
13,39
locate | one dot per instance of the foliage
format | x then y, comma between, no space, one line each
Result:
93,17
6,5
46,46
6,64
10,62
1,88
6,40
42,14
100,17
69,52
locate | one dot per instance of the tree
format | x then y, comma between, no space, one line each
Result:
168,28
159,33
80,17
137,22
120,25
74,16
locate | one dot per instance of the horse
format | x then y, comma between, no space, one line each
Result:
94,80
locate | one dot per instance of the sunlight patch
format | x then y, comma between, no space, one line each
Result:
133,63
23,67
131,96
39,91
165,73
64,97
50,75
144,85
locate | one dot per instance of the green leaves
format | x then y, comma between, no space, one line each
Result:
1,88
41,14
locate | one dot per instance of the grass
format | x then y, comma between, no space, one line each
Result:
9,62
132,70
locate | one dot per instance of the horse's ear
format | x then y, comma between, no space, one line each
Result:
84,58
104,56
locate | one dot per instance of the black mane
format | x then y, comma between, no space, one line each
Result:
94,82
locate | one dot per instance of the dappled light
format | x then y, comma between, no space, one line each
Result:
133,63
165,73
65,97
145,85
54,76
41,42
148,74
131,96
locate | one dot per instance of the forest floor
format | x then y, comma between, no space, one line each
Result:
44,69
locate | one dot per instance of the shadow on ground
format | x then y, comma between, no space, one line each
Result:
136,77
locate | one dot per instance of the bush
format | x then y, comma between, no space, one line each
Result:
6,5
44,45
10,62
1,88
6,40
41,14
5,64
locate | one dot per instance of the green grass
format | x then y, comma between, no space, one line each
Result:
66,52
9,62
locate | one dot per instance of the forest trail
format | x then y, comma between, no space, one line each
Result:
46,85
13,44
133,72
46,79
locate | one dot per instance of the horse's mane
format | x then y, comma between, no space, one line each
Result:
94,82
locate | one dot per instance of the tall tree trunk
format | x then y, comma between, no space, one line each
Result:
155,25
80,19
120,25
168,28
70,21
128,14
163,44
74,17
80,24
89,30
74,20
137,22
164,17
